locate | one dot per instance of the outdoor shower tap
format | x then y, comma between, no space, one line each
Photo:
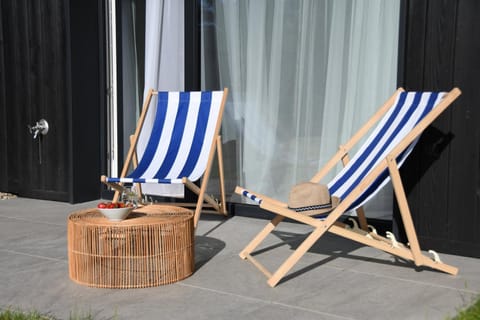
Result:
40,127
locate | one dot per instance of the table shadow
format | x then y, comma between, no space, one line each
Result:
205,249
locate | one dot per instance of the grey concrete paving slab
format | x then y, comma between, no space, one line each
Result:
368,296
14,264
175,301
336,251
53,212
34,238
335,279
468,278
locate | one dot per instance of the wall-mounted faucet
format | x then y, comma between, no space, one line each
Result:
40,127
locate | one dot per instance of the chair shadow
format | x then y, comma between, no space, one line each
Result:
333,247
217,218
205,249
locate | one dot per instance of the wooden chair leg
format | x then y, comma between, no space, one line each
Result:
362,219
404,209
223,202
135,165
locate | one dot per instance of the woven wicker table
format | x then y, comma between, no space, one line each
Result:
153,246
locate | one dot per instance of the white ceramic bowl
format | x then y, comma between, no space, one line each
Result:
116,214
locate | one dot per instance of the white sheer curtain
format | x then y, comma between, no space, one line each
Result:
304,76
164,66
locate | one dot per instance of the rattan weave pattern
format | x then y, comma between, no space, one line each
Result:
153,246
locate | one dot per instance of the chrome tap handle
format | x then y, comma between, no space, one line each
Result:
40,127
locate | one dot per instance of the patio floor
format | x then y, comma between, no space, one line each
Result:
336,279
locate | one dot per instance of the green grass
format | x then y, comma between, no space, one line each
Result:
21,315
471,312
15,314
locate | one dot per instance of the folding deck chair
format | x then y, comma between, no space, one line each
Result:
182,144
400,122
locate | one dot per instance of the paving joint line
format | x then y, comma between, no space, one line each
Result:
34,221
405,280
271,302
33,255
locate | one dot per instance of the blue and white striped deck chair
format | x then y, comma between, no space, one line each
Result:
181,147
399,124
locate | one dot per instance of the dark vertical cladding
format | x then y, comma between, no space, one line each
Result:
34,51
439,49
86,95
49,54
192,45
3,110
464,167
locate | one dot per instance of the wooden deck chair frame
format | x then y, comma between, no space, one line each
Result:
362,234
204,200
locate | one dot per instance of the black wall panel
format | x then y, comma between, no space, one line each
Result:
441,50
51,59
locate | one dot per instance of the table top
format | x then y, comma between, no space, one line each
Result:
146,215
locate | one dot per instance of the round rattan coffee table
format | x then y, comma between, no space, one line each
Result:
153,246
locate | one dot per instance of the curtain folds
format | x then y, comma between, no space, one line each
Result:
304,76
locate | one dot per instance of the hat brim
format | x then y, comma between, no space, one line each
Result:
316,212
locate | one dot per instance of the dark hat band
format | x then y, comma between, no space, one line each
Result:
315,207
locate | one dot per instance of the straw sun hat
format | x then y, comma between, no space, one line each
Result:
311,199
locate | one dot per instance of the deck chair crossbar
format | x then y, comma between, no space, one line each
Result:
182,144
399,124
